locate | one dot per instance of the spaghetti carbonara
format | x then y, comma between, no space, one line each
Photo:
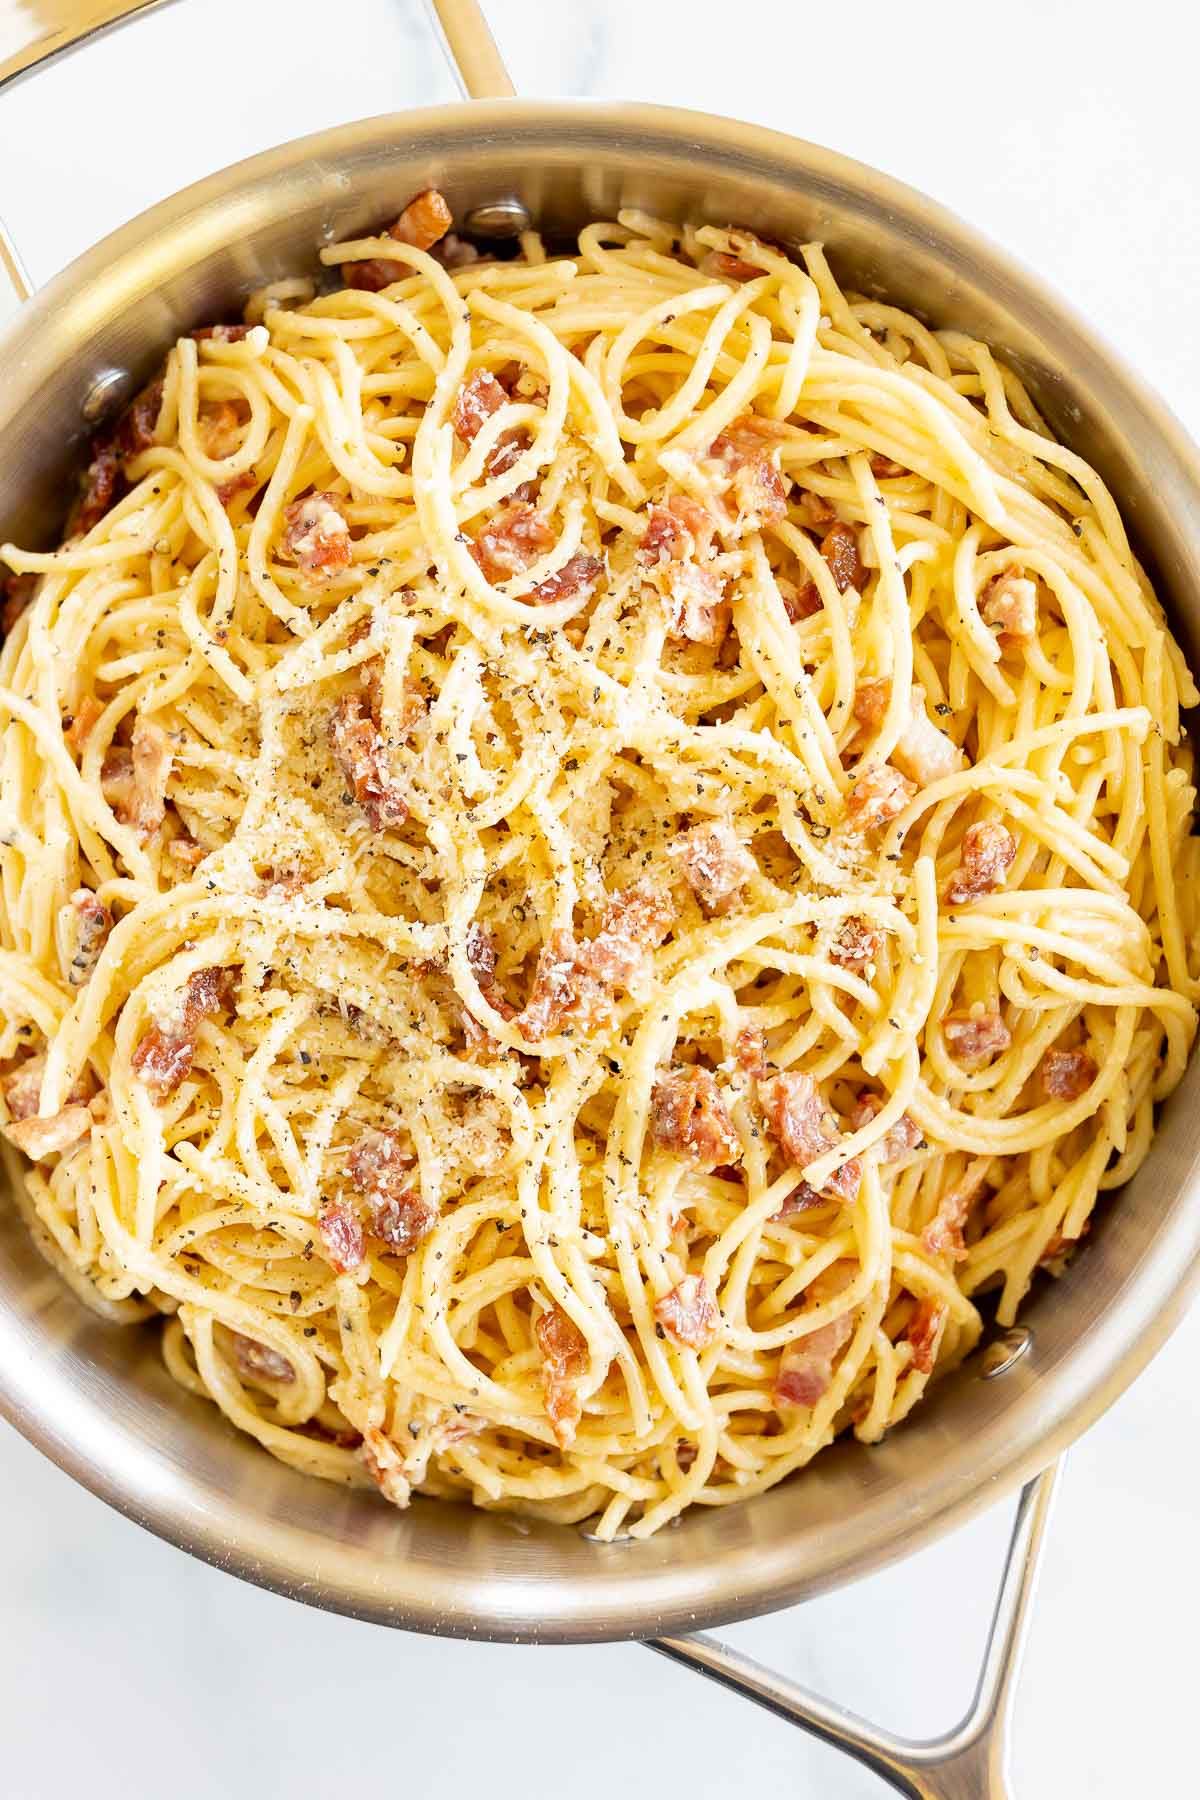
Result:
594,847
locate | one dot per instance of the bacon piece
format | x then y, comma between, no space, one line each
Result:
85,923
413,705
238,484
749,432
1009,604
100,483
943,1236
163,1058
1067,1073
758,487
577,580
22,1088
905,1135
716,864
804,1128
738,264
798,602
813,510
137,429
975,1036
730,268
801,1199
506,450
379,1167
385,1465
133,432
804,1375
883,468
259,1362
923,1333
839,547
635,921
281,884
988,853
679,530
38,1138
341,1237
402,1221
663,539
689,1314
361,754
77,730
878,796
511,541
750,1051
478,398
564,1354
677,534
186,851
481,958
578,982
856,945
374,273
899,1139
481,955
220,334
221,429
924,752
688,1116
478,1043
316,536
871,702
425,220
558,988
697,611
152,761
134,780
806,1365
18,591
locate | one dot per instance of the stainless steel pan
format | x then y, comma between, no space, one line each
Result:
96,1399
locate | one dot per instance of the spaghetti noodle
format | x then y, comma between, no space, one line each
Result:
593,848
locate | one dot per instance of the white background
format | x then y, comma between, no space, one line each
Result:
1069,133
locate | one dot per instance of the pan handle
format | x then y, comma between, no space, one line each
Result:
470,49
31,36
969,1762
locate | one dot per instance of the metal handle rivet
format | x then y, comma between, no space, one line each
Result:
497,219
105,395
1004,1351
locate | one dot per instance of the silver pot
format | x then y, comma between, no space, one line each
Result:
95,1397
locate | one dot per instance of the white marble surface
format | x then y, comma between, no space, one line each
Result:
1068,135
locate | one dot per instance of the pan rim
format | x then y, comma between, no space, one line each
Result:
1090,1376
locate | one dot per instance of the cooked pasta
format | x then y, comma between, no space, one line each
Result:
595,847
